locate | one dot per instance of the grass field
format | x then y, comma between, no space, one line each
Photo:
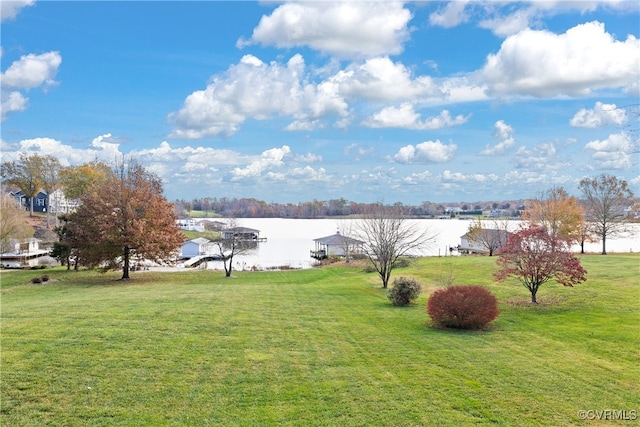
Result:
319,347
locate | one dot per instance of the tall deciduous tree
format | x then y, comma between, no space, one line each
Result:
534,256
123,217
13,222
606,197
388,235
554,209
77,180
25,174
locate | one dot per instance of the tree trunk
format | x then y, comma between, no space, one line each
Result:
227,271
604,247
533,296
31,206
125,265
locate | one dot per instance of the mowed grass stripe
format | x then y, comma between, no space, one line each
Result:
313,347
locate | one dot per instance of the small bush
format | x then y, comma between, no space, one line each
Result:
36,280
462,307
369,268
404,291
402,263
45,278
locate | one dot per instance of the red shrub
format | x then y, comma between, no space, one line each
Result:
463,307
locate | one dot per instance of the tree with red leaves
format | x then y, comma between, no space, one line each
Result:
535,256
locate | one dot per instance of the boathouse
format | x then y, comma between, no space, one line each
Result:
337,245
242,234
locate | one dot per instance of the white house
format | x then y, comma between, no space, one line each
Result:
195,247
190,224
59,204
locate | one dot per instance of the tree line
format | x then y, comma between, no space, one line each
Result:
254,208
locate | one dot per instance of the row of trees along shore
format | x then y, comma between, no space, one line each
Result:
123,215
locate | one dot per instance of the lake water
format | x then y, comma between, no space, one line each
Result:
289,241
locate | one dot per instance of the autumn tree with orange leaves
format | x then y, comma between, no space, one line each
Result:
561,214
122,218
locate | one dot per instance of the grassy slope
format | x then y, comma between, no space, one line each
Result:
313,347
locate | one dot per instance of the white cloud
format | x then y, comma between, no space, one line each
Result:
451,15
542,157
29,72
102,148
272,158
32,71
504,134
344,29
406,117
380,79
254,89
600,115
611,153
506,25
543,64
9,9
12,101
459,177
426,152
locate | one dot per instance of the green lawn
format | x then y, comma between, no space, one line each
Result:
319,347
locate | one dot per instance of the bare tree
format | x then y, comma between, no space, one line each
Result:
232,242
490,238
350,246
389,235
606,197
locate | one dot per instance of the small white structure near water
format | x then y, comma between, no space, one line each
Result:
195,247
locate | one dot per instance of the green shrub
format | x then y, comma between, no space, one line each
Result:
369,268
402,263
404,291
462,307
36,280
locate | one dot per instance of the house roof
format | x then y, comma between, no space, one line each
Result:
338,239
199,241
242,230
490,231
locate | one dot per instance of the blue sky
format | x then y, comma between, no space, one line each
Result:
295,101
